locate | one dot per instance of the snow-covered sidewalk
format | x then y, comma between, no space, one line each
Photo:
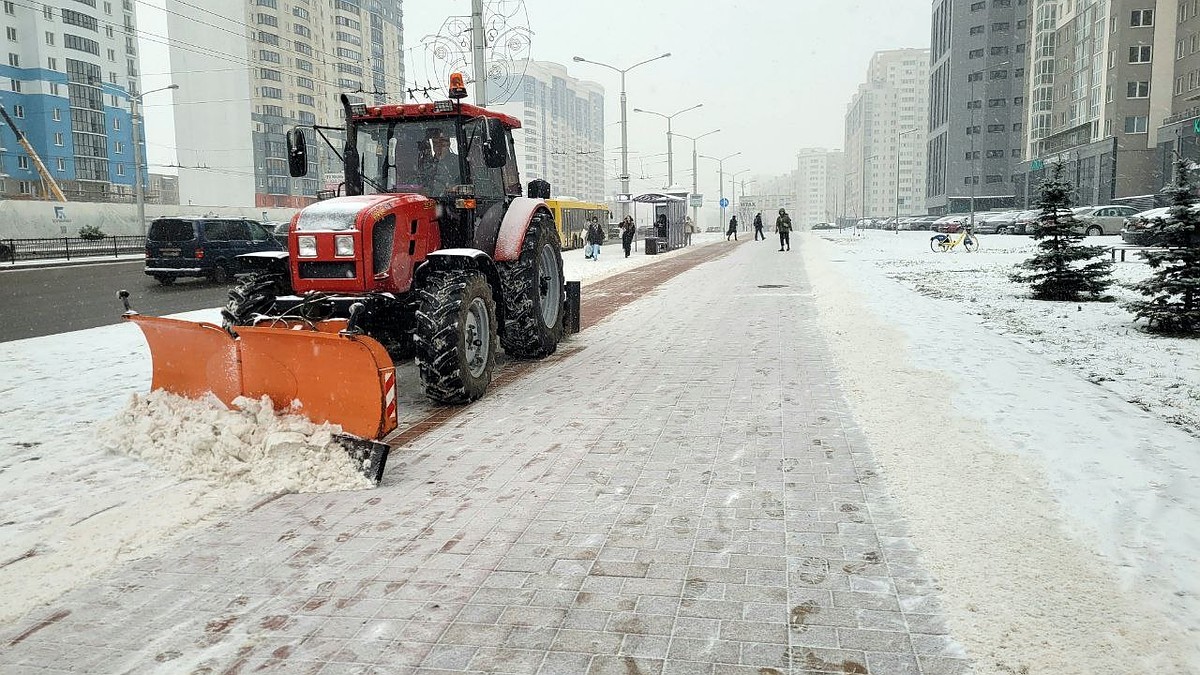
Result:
72,510
1040,451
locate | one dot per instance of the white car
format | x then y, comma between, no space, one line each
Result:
1097,220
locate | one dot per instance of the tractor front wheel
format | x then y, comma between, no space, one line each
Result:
254,295
532,288
455,337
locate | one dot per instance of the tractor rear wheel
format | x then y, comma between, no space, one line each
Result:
254,294
455,337
532,288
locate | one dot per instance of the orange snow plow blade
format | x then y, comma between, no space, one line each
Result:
348,380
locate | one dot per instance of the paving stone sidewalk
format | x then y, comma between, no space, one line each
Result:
680,491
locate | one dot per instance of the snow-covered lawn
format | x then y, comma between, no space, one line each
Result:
1098,340
71,509
1043,454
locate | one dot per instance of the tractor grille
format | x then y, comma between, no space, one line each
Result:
381,246
327,270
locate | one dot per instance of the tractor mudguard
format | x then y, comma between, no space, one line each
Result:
516,222
334,377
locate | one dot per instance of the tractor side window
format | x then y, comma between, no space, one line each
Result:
489,183
512,177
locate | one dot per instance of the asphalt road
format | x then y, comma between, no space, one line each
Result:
36,302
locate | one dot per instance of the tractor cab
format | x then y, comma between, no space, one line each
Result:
459,155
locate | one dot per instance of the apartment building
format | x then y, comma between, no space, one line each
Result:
1103,83
252,70
819,186
66,79
562,134
884,162
976,115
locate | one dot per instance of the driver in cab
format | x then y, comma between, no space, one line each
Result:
444,164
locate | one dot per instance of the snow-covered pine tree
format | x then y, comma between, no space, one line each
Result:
1172,291
1062,268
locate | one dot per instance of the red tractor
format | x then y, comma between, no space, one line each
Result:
432,252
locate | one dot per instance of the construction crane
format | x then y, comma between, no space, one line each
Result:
48,181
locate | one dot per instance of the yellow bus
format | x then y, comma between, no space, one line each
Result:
572,217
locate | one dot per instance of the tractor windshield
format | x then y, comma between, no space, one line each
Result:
409,156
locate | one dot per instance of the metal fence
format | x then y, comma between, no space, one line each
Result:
69,248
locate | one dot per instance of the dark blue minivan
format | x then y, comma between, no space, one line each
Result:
202,247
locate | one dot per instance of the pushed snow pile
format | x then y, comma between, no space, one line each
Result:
251,447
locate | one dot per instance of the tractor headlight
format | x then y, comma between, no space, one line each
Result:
307,247
343,245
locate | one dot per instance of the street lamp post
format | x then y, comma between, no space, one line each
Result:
695,173
900,135
863,185
721,178
733,186
670,150
139,193
624,121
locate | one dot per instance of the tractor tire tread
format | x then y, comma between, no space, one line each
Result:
437,338
525,335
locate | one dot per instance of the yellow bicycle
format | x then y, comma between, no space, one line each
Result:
944,243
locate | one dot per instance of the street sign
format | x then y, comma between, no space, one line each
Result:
696,201
624,197
1036,165
1196,127
724,202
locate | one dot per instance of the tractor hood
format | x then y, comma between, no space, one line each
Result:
341,213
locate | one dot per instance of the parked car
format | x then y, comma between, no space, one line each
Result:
1022,221
279,231
1143,229
202,247
1098,220
824,226
1035,223
948,224
999,222
923,222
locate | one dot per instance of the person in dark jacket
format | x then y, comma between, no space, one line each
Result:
661,228
758,227
595,237
732,231
783,225
628,231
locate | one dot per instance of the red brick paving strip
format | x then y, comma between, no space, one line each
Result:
600,301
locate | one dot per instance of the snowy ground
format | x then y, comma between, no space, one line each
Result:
71,508
1043,453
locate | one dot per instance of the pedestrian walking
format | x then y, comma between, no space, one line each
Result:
595,237
688,229
783,225
628,231
733,227
758,232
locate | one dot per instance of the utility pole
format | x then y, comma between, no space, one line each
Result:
624,121
899,136
695,172
721,178
670,150
138,191
478,46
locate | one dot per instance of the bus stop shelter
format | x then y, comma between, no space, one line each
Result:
675,210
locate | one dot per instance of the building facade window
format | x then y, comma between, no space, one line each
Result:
1136,124
1140,54
58,138
976,30
1138,89
271,92
268,20
1141,18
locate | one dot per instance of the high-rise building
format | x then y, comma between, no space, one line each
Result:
562,134
249,71
819,186
977,94
66,81
884,152
1106,78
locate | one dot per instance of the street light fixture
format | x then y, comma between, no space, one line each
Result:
721,178
670,151
139,192
695,173
733,187
900,135
624,121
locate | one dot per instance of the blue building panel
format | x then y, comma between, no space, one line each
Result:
120,129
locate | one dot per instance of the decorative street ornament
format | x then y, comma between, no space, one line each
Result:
507,40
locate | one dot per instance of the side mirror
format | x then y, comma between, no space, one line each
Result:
495,147
297,149
539,189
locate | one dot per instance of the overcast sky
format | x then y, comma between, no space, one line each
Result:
773,75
